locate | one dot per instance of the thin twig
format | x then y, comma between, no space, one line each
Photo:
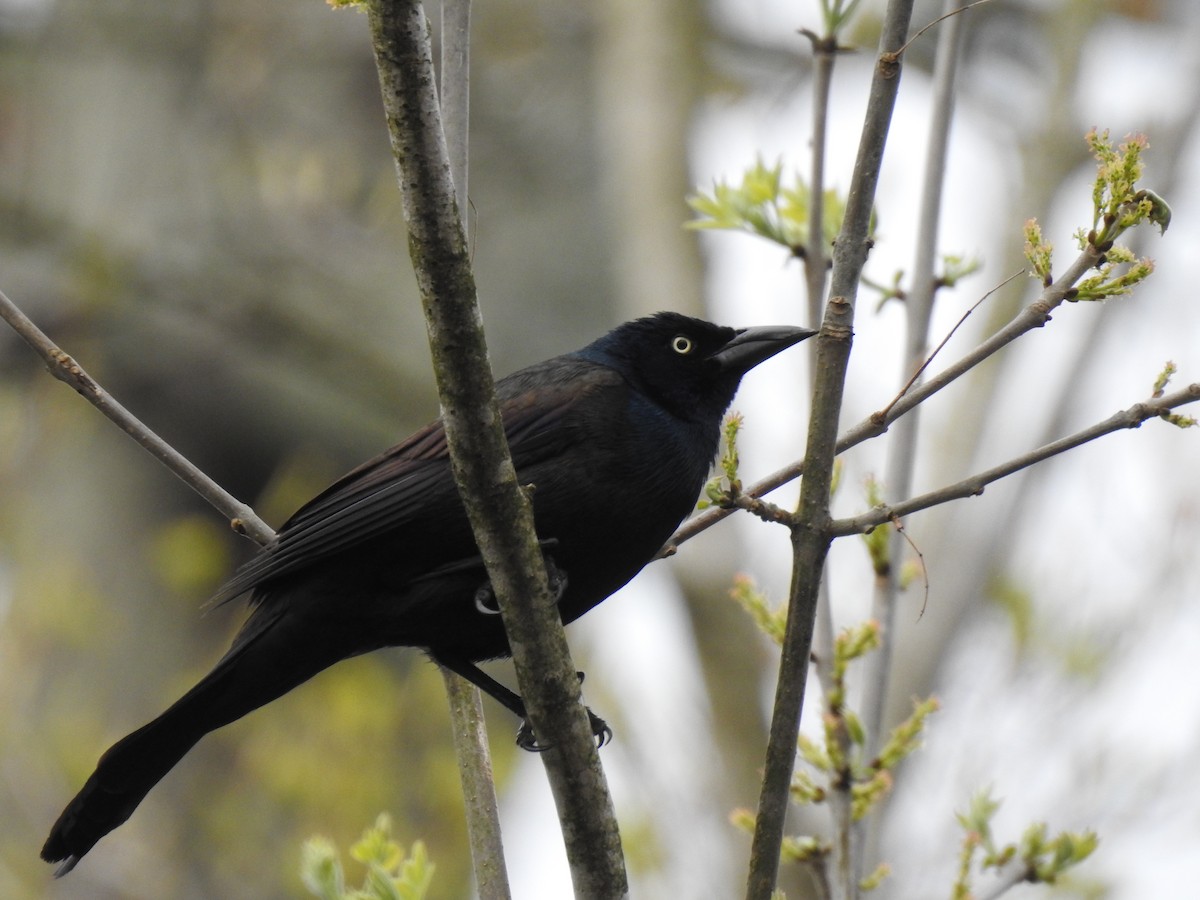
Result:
916,376
242,518
1035,315
825,53
954,12
464,699
845,845
455,96
974,485
479,787
912,545
902,446
815,260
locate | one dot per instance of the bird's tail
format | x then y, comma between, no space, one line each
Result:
273,654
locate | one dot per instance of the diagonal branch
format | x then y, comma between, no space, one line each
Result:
974,485
241,517
1035,315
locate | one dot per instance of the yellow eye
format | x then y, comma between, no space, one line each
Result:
682,344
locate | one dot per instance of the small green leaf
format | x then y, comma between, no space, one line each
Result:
906,737
803,849
1039,252
1179,420
854,728
865,794
772,622
836,13
977,820
955,268
764,206
813,754
743,819
1164,378
804,790
875,879
391,874
320,869
1017,603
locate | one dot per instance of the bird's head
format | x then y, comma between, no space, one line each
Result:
688,366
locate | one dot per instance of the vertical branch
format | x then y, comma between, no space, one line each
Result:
455,95
918,310
811,537
499,513
815,261
465,701
479,787
825,50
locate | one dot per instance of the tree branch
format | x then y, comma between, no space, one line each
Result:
1015,872
464,699
810,539
479,787
825,50
242,518
825,53
500,515
1035,315
902,448
974,485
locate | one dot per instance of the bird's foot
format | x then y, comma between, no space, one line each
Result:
527,740
600,729
556,579
485,600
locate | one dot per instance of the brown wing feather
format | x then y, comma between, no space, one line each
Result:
397,489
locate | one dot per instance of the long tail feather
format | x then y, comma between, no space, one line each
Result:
273,654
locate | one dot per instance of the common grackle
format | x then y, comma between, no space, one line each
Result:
617,439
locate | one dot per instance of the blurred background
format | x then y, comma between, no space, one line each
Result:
199,204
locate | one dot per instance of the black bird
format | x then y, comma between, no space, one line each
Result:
617,438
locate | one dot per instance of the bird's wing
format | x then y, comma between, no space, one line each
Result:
411,484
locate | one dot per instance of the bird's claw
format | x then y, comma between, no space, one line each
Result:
556,579
527,740
600,730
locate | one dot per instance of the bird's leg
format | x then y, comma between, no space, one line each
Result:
485,602
556,578
510,700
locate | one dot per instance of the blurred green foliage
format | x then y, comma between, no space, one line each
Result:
392,873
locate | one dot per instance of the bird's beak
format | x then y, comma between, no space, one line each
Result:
754,345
